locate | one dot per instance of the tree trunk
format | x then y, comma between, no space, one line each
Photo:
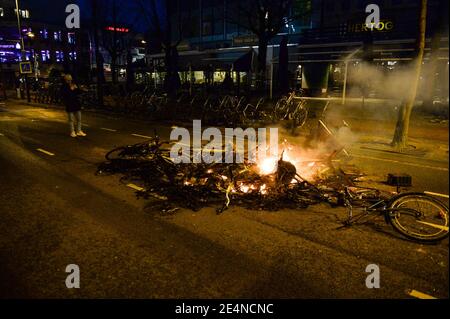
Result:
262,57
130,72
98,58
114,67
283,67
114,46
400,140
2,82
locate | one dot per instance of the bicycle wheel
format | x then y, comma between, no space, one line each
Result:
279,111
136,99
419,216
116,153
130,152
300,116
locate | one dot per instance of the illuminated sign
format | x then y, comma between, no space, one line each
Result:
25,68
382,26
8,46
245,40
184,46
118,29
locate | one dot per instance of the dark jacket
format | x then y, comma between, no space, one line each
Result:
70,98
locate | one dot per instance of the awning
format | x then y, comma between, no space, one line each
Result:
246,63
238,60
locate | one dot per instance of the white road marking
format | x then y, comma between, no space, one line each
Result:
45,152
143,136
135,187
108,129
403,163
436,194
420,295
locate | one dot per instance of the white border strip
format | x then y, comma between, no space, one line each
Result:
143,136
135,187
108,129
420,295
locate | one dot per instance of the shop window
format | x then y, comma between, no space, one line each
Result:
44,34
59,56
218,27
73,55
71,38
57,35
207,28
45,55
23,13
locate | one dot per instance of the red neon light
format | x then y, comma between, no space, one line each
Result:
124,30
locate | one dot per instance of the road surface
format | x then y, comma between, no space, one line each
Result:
56,211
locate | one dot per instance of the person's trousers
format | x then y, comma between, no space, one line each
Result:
75,116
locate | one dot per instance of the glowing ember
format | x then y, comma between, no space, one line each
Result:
244,188
268,166
263,189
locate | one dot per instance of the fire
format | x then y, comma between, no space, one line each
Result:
263,189
268,166
244,188
305,162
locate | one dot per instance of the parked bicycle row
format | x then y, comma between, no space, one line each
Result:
217,108
212,107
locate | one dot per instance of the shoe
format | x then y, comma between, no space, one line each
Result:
73,134
81,133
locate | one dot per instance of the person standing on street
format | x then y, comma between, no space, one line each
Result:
69,94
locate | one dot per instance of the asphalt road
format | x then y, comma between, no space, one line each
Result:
55,211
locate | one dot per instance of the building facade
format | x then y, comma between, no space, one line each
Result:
213,36
45,46
325,47
49,46
340,44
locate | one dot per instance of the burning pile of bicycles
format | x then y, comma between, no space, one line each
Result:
272,184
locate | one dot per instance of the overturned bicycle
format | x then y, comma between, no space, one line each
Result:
271,184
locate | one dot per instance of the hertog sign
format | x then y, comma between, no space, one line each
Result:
382,26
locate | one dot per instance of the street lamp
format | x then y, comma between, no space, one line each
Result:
23,49
18,26
33,56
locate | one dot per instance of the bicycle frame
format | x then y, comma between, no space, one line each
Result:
378,207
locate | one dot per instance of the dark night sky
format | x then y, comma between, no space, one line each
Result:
52,11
